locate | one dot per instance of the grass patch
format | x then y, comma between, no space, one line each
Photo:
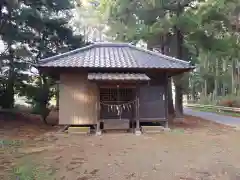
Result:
23,166
28,170
207,109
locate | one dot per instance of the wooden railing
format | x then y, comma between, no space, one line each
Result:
220,108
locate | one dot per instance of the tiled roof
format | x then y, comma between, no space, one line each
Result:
114,55
118,76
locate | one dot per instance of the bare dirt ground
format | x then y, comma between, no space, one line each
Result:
195,149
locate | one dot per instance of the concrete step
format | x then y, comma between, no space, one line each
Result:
154,129
79,130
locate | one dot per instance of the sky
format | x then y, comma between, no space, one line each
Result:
1,46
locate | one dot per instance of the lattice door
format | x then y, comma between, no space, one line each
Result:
115,96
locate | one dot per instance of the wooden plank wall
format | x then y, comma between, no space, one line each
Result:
77,100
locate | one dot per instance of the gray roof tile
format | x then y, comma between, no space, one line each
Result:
118,76
114,55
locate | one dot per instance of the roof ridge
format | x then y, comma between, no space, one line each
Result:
158,54
114,44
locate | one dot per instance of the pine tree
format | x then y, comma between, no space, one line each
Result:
34,30
183,29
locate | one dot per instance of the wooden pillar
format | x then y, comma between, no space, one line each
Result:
98,108
98,130
166,100
137,130
137,114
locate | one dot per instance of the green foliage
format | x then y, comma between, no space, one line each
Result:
31,31
208,100
39,92
209,30
228,100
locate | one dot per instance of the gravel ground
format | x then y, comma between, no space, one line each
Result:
195,149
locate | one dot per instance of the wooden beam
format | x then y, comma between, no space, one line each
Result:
107,86
152,119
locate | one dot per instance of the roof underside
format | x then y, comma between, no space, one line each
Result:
112,55
118,76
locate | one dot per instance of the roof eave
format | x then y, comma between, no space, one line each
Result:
113,68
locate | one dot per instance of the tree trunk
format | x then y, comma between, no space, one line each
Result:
216,85
171,111
193,97
179,54
233,78
178,102
177,81
237,81
57,96
178,97
205,80
164,50
44,100
150,45
205,88
9,93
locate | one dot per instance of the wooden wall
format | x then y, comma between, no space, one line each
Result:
152,103
152,98
77,99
